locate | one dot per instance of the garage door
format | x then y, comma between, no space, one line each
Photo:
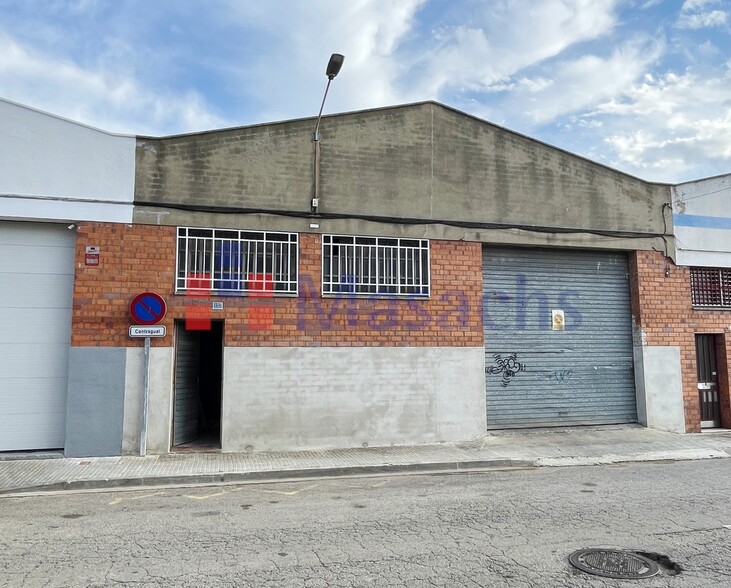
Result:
558,338
36,273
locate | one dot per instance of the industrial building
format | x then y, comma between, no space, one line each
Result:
416,275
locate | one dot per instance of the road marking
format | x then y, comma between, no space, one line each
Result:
205,496
123,498
358,486
292,493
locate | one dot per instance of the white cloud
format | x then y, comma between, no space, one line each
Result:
693,15
583,82
671,126
104,98
708,49
714,18
535,85
689,5
506,37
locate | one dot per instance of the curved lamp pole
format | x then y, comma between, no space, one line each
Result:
333,68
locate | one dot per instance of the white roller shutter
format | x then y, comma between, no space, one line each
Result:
36,278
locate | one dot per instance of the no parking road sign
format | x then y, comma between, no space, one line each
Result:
147,308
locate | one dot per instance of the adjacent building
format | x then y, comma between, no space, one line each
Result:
55,175
683,307
416,276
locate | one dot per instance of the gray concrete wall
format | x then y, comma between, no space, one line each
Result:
659,385
329,397
422,161
95,401
159,402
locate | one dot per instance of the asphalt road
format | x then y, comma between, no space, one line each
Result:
497,528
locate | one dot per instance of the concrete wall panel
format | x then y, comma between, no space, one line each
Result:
160,398
421,161
95,401
299,398
659,384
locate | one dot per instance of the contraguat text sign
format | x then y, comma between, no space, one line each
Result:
156,331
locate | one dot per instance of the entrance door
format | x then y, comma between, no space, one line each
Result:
198,374
705,349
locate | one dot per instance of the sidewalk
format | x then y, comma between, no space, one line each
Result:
571,446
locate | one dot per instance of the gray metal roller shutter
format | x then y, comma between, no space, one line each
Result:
538,376
187,361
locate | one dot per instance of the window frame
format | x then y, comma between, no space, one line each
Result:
259,253
707,283
364,259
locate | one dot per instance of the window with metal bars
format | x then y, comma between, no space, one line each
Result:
710,286
375,265
235,262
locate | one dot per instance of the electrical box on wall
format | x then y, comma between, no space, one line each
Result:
92,255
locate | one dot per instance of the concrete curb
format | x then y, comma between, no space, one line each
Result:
299,473
656,456
271,475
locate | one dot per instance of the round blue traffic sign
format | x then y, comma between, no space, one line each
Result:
147,308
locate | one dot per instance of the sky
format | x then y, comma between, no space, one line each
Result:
643,86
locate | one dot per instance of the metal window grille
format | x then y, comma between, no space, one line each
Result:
236,262
710,286
375,265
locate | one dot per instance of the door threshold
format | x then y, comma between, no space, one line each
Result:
202,445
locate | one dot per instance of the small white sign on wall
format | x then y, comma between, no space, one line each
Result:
557,320
152,331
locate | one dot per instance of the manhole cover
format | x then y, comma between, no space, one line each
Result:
614,563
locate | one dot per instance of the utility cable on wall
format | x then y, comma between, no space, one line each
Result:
403,220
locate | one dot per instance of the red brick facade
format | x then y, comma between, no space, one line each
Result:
138,258
663,312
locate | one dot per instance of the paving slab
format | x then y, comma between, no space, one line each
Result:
555,447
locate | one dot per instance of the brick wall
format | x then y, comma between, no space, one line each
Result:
133,259
137,258
664,315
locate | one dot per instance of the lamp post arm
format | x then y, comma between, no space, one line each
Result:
316,134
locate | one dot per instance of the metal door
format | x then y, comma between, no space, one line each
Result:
705,350
187,371
558,338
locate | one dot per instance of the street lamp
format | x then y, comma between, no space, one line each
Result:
333,68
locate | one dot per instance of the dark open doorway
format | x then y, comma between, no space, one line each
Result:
198,377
